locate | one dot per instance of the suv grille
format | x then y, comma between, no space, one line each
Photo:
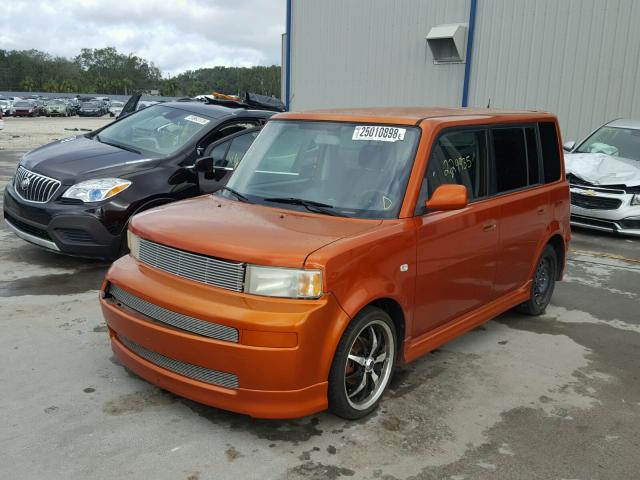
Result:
33,186
200,268
599,203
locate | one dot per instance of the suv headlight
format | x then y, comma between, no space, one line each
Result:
133,242
96,190
635,200
283,282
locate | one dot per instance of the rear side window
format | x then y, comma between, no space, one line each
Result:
550,151
458,157
510,154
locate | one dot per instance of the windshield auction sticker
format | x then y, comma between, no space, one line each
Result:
196,119
378,133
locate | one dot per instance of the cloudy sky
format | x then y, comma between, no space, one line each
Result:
176,35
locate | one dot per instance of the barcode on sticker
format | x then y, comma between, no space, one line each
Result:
379,133
196,119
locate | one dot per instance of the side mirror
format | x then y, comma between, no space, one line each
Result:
568,146
204,164
448,197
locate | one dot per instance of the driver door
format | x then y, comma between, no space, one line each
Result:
226,154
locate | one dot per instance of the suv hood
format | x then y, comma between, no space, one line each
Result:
79,158
602,169
242,232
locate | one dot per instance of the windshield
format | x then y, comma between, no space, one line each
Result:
335,168
159,130
117,104
615,141
90,104
23,104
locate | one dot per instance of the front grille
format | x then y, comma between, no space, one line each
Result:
630,224
75,235
25,227
206,375
177,320
597,203
33,186
200,268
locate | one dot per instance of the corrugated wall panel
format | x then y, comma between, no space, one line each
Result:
576,58
371,53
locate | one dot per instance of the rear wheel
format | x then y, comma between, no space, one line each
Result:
363,364
544,282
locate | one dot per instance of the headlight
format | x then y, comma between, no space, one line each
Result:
283,282
133,242
96,190
635,200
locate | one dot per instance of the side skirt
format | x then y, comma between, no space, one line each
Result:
445,333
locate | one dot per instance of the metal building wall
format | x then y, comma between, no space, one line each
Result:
371,53
577,58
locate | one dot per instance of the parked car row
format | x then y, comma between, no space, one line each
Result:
35,106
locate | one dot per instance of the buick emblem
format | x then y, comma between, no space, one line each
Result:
24,184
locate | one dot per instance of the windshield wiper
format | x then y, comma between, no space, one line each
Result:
118,145
236,193
311,205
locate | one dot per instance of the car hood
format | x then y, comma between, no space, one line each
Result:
236,231
602,169
79,158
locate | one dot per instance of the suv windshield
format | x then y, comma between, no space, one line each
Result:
615,141
158,130
335,168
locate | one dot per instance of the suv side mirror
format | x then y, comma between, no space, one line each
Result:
448,197
568,146
204,164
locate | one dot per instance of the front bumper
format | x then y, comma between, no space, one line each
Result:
625,220
280,361
69,229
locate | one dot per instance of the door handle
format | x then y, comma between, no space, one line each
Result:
541,210
489,227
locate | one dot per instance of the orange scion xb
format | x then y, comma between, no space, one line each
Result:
345,243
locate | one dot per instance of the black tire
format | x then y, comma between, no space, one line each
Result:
370,319
544,282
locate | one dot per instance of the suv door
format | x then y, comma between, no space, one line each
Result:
456,250
524,213
226,154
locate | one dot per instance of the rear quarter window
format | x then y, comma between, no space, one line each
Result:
550,151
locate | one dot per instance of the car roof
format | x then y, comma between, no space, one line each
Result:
625,123
412,115
217,111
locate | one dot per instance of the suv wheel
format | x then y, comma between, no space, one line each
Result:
544,281
363,364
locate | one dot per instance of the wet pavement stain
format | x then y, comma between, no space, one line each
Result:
233,454
318,471
137,402
59,284
89,390
100,328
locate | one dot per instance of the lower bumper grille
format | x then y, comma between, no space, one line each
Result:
177,320
25,227
594,222
206,375
75,235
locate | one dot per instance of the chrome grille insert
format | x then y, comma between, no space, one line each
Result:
206,375
177,320
33,186
200,268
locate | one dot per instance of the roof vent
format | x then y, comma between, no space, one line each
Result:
448,43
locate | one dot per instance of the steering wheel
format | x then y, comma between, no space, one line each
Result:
374,200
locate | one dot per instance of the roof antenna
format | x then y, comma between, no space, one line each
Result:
489,103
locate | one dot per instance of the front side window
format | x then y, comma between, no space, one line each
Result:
457,157
335,168
158,130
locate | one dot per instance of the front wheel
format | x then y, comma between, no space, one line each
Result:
544,282
363,364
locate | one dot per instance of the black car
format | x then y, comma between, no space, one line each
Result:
92,108
76,195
